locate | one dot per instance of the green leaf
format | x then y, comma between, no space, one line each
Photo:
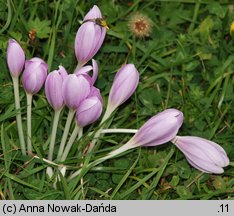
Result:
42,28
16,179
217,9
205,28
182,191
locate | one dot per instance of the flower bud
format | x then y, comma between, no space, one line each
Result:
159,129
86,69
53,88
88,111
89,37
75,89
34,75
15,57
204,155
124,85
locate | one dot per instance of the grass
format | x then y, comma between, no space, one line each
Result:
187,63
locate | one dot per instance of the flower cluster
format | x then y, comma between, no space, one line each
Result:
78,93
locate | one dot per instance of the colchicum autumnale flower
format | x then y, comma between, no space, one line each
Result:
34,75
124,85
90,36
158,130
15,62
15,58
88,111
204,155
86,69
53,88
75,89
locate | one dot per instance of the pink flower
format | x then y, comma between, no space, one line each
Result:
34,75
204,155
88,111
15,58
124,85
86,69
89,37
53,88
159,129
75,89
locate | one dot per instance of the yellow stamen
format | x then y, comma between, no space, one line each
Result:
232,28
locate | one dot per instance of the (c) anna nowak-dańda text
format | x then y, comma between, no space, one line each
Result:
68,208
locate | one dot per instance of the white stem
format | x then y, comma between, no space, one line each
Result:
98,133
80,134
100,160
53,133
119,130
65,133
70,142
29,123
47,161
79,65
18,114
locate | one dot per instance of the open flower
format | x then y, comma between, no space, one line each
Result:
204,155
87,69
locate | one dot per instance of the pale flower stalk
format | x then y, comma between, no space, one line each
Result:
88,112
158,130
15,62
75,89
54,96
124,85
34,76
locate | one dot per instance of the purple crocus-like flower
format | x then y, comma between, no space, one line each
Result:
34,75
89,37
124,85
15,57
53,88
204,155
88,111
75,89
86,69
159,129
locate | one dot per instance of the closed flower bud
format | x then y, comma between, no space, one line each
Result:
124,85
53,88
15,58
204,155
75,89
89,37
34,75
86,69
88,111
159,129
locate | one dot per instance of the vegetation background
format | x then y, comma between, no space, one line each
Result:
187,62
